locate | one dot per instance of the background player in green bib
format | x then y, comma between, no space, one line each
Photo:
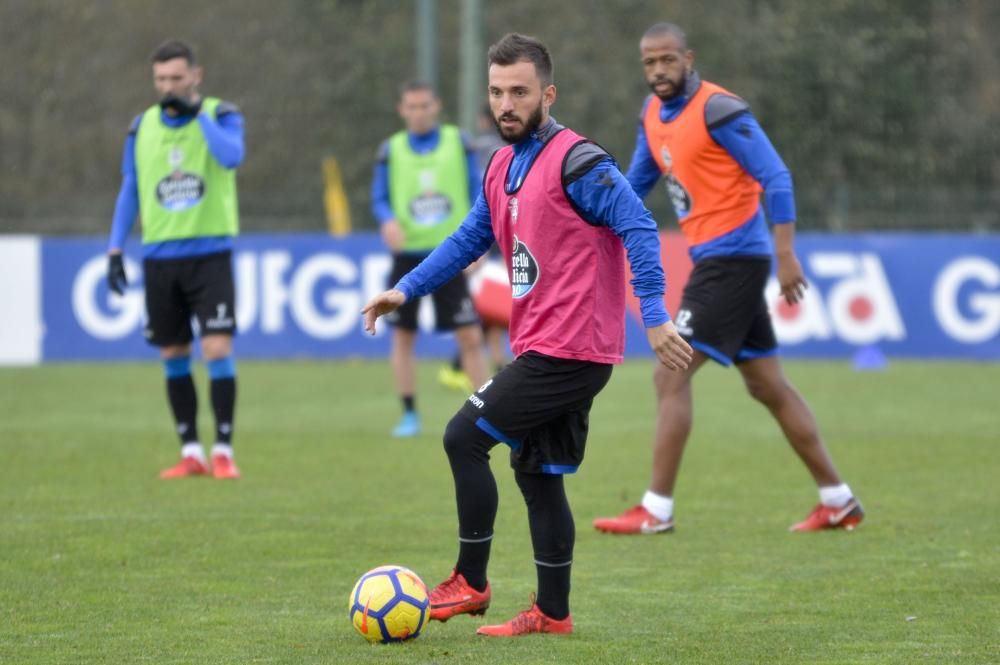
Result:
426,178
179,177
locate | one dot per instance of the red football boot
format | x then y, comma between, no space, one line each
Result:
455,596
632,521
224,467
529,621
188,466
824,517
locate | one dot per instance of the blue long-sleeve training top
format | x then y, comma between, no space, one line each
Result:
738,132
224,136
599,192
420,144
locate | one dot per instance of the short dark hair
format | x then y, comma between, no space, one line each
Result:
415,85
664,29
514,47
173,48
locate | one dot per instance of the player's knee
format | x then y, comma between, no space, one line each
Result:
462,438
766,392
669,382
470,338
215,347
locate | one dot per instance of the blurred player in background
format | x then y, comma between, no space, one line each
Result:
561,211
487,277
487,140
426,178
715,159
179,177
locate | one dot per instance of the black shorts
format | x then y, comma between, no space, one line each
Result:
723,313
179,289
540,407
453,306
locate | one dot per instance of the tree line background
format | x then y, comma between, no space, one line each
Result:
886,111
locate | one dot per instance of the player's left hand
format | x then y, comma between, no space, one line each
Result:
791,278
669,346
392,235
383,303
117,281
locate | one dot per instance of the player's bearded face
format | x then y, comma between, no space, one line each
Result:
667,63
514,128
666,86
519,99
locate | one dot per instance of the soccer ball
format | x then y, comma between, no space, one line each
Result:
389,604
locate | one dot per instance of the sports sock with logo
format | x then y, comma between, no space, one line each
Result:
222,378
182,397
552,537
409,403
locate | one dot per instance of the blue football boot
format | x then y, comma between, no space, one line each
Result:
409,425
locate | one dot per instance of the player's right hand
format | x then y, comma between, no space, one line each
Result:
180,106
116,274
383,303
669,346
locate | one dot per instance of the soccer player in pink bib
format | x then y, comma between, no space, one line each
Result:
564,218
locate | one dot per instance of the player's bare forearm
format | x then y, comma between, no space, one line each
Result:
790,276
382,304
669,347
784,239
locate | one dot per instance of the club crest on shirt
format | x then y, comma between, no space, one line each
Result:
523,270
512,206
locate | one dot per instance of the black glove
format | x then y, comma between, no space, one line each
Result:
182,106
116,274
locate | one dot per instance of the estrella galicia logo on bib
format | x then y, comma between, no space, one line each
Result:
679,196
430,208
523,270
179,190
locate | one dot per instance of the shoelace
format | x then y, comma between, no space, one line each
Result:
530,620
527,621
446,588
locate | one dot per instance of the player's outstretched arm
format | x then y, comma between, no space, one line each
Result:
383,303
669,346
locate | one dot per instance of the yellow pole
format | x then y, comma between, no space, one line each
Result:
338,211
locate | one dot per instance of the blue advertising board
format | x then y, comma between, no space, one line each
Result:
298,295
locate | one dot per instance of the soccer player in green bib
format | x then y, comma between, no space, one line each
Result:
426,178
179,178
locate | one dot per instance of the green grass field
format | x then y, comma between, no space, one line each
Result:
101,562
